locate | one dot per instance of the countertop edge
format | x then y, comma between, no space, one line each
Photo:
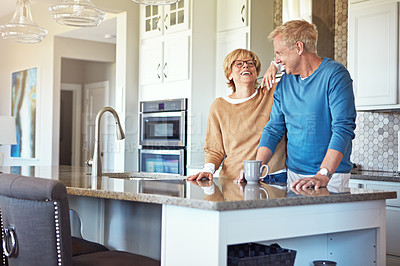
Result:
233,205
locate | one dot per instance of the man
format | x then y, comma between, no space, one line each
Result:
314,106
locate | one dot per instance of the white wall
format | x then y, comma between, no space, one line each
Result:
72,71
47,58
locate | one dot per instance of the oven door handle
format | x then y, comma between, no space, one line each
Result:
165,114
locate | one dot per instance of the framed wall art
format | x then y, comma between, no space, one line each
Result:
23,108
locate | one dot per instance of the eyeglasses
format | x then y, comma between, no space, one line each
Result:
240,63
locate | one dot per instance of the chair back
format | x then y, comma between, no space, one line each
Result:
35,221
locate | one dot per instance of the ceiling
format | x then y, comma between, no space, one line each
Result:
7,7
105,32
101,33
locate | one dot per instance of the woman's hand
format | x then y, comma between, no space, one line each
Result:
199,176
269,76
240,178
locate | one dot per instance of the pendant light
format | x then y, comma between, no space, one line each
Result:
78,13
22,28
156,2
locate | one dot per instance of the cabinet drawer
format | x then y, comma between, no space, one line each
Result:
389,202
355,183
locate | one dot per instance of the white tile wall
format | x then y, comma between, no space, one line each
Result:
375,146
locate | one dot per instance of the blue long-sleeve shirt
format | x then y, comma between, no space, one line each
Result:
317,114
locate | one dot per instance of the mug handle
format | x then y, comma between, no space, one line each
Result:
261,170
266,193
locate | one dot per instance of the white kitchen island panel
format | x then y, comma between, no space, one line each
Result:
350,233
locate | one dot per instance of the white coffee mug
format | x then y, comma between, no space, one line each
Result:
254,191
253,170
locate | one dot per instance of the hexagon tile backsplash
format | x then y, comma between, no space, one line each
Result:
375,146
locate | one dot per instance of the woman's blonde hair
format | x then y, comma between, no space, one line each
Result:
297,30
235,55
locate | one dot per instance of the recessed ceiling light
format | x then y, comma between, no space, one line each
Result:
109,36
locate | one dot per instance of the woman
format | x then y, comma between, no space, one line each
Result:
235,122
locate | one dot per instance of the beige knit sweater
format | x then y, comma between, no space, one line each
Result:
234,131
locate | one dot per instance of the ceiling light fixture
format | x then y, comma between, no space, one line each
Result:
156,2
22,28
78,13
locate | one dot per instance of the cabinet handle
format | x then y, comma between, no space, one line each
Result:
165,22
158,71
158,23
241,12
165,67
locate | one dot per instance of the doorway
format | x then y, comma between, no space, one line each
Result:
70,124
76,145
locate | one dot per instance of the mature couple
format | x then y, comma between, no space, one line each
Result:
308,120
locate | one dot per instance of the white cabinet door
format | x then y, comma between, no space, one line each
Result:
232,14
176,58
176,16
373,52
157,20
393,231
151,21
151,63
226,43
392,215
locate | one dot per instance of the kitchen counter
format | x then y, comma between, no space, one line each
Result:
372,175
210,216
175,190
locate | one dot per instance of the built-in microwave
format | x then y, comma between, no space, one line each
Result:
163,123
162,161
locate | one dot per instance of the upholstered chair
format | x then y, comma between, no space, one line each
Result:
36,227
3,259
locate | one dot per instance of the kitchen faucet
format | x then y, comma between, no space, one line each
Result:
95,162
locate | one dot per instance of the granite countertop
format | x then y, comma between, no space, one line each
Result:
372,175
221,194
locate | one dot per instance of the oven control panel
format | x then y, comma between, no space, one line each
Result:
163,106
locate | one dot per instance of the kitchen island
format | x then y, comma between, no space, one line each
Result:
195,222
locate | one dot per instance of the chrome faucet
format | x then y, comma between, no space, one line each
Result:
96,160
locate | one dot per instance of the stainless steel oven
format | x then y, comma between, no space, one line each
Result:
163,133
162,161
